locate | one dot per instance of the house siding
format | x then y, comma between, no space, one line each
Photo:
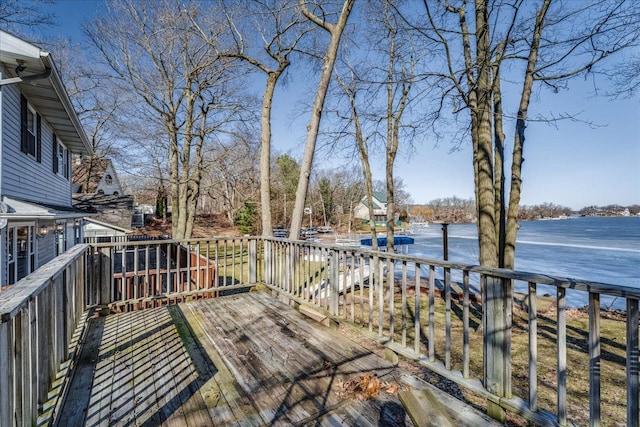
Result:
22,176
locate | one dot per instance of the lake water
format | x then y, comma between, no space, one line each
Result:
589,248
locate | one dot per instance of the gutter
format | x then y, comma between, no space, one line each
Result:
56,81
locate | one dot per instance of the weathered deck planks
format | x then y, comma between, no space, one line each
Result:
244,359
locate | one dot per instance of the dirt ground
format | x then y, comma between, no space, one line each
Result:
205,226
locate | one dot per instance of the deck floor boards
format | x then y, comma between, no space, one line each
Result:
245,359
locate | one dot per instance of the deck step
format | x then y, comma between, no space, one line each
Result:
424,409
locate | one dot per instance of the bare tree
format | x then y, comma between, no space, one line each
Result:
231,178
17,15
317,15
545,42
280,30
398,84
179,83
350,86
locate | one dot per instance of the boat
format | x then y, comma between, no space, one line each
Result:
359,276
382,241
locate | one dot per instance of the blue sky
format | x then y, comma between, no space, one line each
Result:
572,164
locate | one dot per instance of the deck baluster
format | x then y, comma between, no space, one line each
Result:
465,324
633,393
533,346
432,313
594,359
447,318
417,333
561,300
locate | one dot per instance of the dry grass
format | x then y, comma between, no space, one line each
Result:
613,336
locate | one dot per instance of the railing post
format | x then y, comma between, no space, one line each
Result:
497,342
268,262
334,294
253,261
105,275
6,379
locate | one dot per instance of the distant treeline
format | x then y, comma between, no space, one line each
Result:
455,210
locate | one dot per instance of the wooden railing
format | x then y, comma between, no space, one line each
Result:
431,311
39,321
129,275
398,289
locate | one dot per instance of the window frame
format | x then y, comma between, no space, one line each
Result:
31,133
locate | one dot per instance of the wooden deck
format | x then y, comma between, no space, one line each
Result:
246,359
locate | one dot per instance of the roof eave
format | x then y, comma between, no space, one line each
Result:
65,123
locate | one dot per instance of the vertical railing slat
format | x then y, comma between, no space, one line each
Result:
432,313
533,346
372,284
447,318
392,310
136,279
380,267
416,318
562,355
465,324
6,374
233,262
633,393
404,304
594,359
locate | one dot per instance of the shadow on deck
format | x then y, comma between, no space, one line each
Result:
245,359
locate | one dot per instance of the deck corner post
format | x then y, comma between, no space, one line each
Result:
253,261
104,276
497,342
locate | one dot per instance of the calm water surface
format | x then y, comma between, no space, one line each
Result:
588,248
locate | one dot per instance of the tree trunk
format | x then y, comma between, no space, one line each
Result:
316,112
486,211
265,154
498,165
518,144
174,176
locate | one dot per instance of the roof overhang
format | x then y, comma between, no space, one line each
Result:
22,210
108,225
40,82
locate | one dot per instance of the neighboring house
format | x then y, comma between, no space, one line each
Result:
361,210
112,216
95,176
96,188
39,131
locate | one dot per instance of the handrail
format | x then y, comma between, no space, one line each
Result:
39,316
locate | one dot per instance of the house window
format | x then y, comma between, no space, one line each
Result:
61,158
31,130
21,252
108,179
